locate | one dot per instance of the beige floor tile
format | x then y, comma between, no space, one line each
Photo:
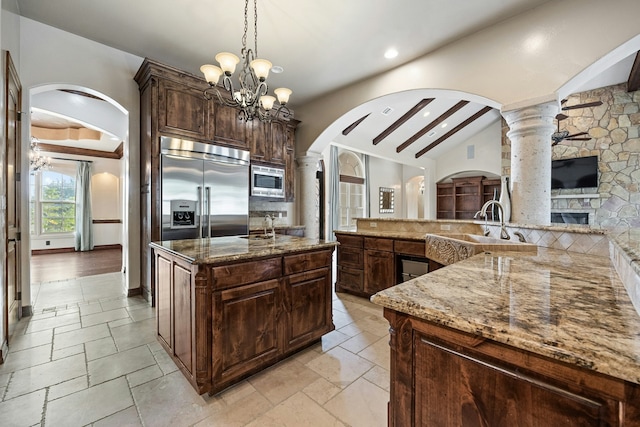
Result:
17,360
362,404
297,411
122,302
79,336
103,317
67,351
378,353
4,380
239,414
144,375
116,365
134,334
321,390
67,328
125,418
100,348
89,405
140,312
120,322
23,410
373,324
333,339
379,376
340,366
86,309
52,322
236,392
283,380
35,339
360,342
37,377
171,401
68,387
165,362
308,354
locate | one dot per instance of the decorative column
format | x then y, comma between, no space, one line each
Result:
530,135
307,196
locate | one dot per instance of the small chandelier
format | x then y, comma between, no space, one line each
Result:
251,97
37,162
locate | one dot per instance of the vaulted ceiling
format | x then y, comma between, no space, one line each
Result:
322,46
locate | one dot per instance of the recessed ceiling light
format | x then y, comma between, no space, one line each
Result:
391,53
426,113
277,69
444,125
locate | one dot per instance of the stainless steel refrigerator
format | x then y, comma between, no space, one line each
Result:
205,190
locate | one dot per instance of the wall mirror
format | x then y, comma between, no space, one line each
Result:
386,200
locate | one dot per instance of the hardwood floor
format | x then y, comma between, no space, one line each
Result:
69,265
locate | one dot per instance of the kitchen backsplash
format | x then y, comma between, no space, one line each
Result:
282,211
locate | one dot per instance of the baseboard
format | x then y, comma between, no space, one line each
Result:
134,292
27,310
4,349
63,250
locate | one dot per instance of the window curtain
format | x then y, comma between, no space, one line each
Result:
334,193
367,187
84,220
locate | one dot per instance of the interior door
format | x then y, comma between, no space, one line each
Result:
12,278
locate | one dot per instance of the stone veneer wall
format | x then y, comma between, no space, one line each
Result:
614,128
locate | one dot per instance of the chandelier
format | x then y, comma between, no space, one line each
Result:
251,95
37,161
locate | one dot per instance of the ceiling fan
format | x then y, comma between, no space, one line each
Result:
565,135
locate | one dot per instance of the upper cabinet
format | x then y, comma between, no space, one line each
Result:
268,142
228,128
183,111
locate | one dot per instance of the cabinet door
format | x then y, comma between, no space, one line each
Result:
163,299
350,280
260,139
290,166
183,111
228,127
278,142
456,389
246,330
379,268
308,298
183,347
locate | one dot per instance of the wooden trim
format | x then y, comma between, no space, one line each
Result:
402,120
134,292
52,148
353,125
633,83
351,179
453,131
107,221
64,250
431,125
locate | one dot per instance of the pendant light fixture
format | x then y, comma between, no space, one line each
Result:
251,97
37,162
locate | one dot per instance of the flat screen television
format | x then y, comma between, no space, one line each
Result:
580,172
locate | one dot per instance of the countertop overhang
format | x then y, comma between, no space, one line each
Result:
568,306
218,250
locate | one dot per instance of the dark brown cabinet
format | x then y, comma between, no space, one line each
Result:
463,197
350,274
172,104
444,377
379,265
222,323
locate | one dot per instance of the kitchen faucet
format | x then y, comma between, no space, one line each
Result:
482,213
268,218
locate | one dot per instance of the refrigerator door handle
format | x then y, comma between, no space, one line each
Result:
199,196
208,201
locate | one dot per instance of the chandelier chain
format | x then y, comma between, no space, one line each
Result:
246,27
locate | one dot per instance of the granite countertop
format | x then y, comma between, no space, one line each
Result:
567,306
404,235
220,250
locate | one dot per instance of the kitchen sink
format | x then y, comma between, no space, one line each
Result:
261,237
448,248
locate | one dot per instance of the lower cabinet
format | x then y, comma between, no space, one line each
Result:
221,323
379,271
444,377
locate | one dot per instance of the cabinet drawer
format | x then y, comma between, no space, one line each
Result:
378,244
409,247
307,261
246,272
355,241
351,279
350,257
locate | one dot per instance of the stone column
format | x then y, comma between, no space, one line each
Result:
530,135
307,168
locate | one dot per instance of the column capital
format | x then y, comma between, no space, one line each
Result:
532,120
308,160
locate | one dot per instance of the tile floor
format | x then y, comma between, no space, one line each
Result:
89,356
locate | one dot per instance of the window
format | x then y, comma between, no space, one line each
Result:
352,190
53,203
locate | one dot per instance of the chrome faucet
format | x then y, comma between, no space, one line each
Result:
483,214
268,218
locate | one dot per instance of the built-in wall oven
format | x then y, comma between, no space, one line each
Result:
267,181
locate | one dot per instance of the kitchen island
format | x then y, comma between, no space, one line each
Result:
227,307
507,338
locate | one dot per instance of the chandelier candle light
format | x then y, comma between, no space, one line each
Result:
37,161
251,97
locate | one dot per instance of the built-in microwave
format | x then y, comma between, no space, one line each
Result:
267,181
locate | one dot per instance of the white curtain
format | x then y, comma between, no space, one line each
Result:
84,219
367,187
334,193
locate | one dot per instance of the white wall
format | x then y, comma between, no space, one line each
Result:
385,173
106,203
49,55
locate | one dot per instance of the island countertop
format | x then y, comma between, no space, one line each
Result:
218,250
567,306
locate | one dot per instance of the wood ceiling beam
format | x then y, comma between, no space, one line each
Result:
52,148
402,120
431,125
353,125
633,83
453,131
